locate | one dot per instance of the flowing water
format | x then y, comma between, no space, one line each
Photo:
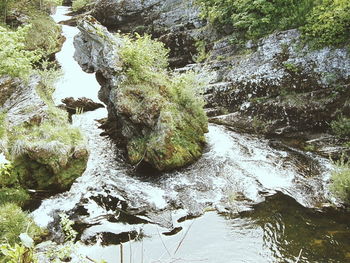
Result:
246,199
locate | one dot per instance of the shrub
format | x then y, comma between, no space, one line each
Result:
328,24
341,127
341,181
44,35
257,18
80,5
323,22
14,222
15,60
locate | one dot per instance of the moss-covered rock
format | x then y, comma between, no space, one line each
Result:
45,150
158,115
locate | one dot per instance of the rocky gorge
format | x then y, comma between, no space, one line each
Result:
262,181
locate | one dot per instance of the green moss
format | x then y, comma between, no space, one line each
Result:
17,196
168,107
33,174
14,222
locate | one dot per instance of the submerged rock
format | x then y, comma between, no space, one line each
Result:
154,115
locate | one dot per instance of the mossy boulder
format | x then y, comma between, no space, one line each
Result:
157,115
46,152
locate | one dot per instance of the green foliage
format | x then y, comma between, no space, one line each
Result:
6,178
257,18
341,181
17,254
143,58
152,97
14,195
14,222
44,35
292,67
202,53
66,224
341,127
328,24
80,5
15,60
2,125
323,22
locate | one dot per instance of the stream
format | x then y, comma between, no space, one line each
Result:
247,199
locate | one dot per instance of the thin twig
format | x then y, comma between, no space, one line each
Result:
130,261
143,157
121,253
142,251
301,250
163,243
183,238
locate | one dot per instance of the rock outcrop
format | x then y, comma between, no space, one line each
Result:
46,152
281,86
174,22
146,116
275,86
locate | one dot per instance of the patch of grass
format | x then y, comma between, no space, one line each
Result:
341,181
14,222
12,195
341,127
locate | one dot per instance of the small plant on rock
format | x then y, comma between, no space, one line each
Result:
341,181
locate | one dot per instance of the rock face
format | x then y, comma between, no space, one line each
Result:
274,86
174,22
45,151
146,117
280,86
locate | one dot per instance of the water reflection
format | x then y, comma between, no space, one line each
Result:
290,229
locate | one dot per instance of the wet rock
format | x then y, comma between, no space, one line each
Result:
154,128
41,158
80,105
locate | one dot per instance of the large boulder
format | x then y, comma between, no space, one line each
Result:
157,119
45,151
